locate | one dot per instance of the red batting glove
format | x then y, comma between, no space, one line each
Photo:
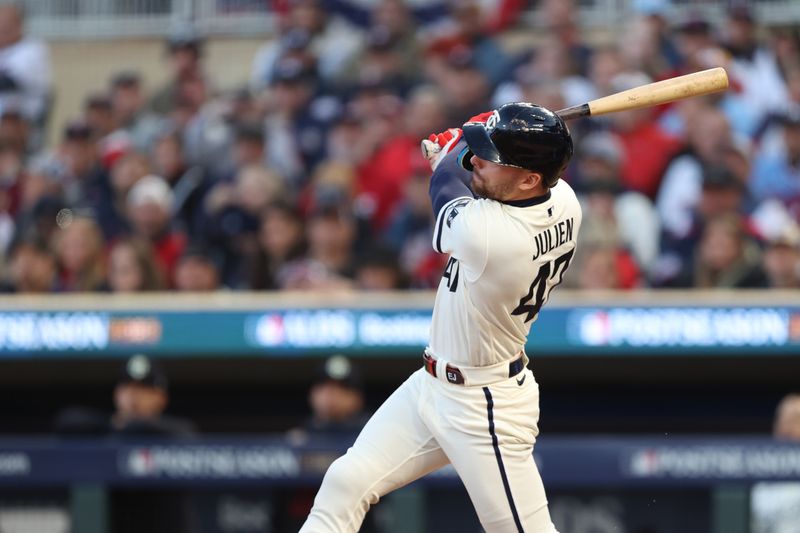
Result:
445,137
438,145
482,118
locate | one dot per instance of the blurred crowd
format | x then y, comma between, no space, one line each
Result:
308,176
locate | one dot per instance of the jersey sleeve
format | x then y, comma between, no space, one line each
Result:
462,230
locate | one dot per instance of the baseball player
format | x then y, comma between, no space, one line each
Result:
509,225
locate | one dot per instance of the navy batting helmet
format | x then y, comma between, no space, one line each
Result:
521,135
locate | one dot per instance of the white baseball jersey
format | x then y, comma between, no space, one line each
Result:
505,258
504,261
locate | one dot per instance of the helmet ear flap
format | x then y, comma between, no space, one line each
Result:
464,158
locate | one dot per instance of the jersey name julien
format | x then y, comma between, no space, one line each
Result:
505,258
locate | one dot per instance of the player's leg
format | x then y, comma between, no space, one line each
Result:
488,434
393,449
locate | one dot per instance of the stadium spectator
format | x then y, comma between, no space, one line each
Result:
79,249
561,19
149,210
132,267
331,41
249,148
98,112
297,122
25,70
470,32
630,215
598,268
781,261
395,134
647,147
130,111
753,67
693,35
776,163
84,180
184,55
30,267
722,195
467,87
281,239
785,43
198,270
331,235
727,257
378,269
396,18
548,65
648,43
110,208
709,141
605,63
11,182
603,262
383,60
41,177
14,130
411,229
189,183
231,218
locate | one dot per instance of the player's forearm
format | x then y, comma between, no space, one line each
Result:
449,180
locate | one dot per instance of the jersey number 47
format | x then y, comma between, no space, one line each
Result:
541,286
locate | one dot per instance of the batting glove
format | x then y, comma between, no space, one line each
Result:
482,118
438,145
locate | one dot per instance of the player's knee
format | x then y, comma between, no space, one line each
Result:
345,477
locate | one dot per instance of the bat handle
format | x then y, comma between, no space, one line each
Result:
575,111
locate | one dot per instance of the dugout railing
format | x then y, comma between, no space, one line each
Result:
692,485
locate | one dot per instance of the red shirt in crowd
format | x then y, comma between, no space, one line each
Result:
383,176
648,149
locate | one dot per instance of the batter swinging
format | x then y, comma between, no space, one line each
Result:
510,235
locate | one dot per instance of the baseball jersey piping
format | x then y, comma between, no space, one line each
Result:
442,218
500,465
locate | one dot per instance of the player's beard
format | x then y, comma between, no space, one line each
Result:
493,191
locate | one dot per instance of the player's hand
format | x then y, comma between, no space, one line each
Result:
438,145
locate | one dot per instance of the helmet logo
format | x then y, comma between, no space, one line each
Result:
491,122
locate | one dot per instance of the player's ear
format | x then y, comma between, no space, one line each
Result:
531,181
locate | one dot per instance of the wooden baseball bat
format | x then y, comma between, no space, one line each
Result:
708,81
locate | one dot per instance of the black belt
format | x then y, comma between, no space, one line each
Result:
454,375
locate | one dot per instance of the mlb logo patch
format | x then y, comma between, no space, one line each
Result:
454,211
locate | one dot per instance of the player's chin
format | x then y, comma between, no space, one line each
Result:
476,182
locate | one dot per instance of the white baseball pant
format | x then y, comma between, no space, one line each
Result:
487,432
